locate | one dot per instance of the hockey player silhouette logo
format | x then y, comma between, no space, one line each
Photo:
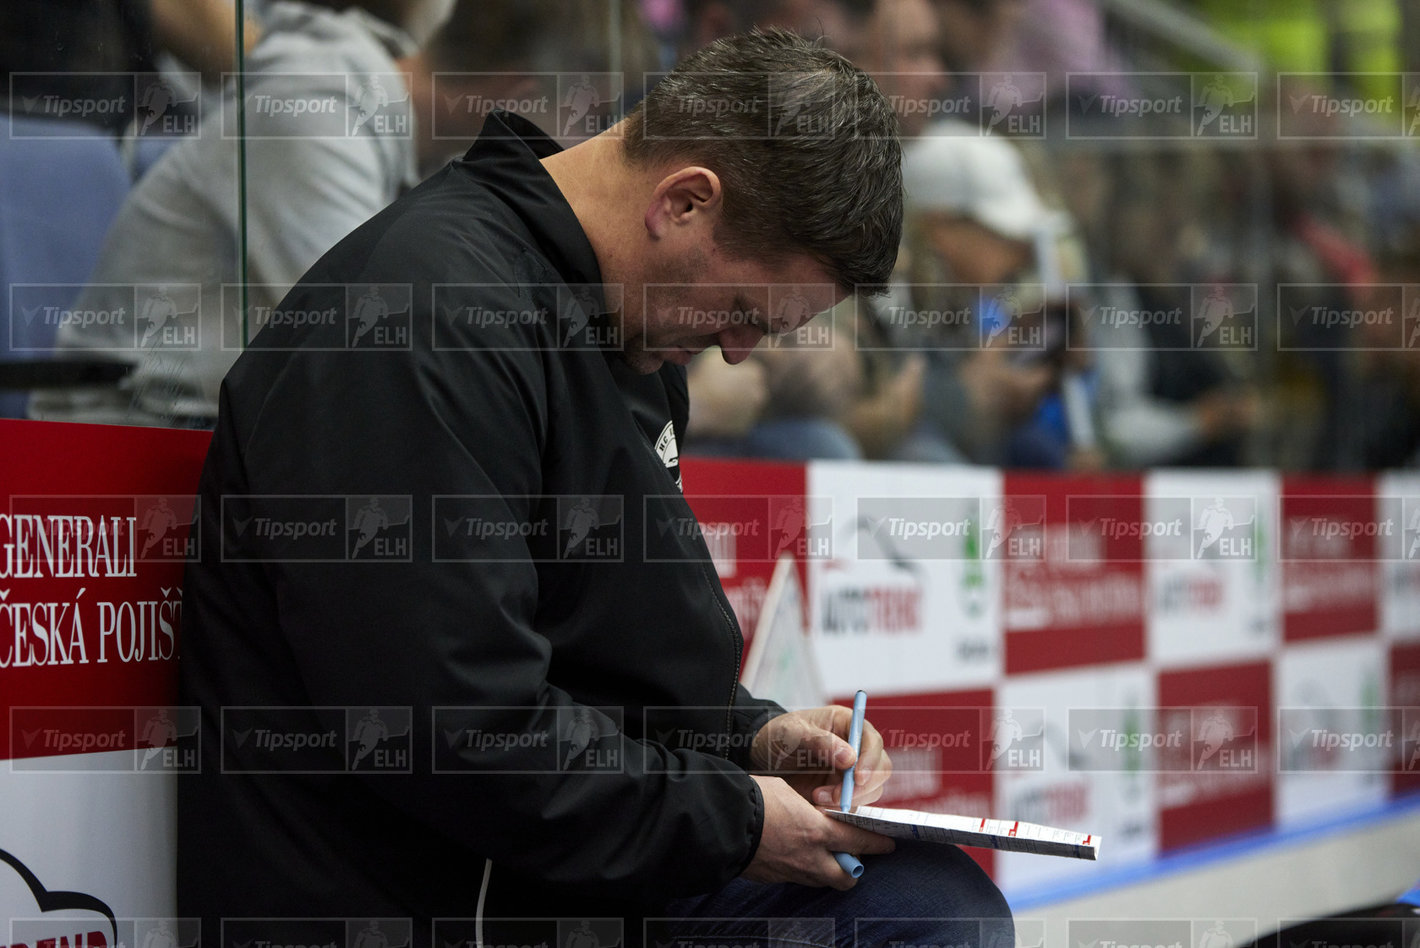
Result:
582,96
373,96
369,521
369,310
160,313
158,733
157,522
1216,309
369,733
1215,97
1005,731
1004,99
155,100
582,519
1216,730
581,741
1412,527
1212,525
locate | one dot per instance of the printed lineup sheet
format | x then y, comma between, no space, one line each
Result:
1012,835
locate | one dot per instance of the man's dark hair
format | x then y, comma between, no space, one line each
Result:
804,143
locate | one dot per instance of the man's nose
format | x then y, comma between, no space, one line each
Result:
737,342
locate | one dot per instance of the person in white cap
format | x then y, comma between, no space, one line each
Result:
975,221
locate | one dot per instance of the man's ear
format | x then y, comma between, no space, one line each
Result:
686,196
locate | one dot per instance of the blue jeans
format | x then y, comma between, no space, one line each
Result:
920,895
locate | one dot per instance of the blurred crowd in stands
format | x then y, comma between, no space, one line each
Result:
1079,287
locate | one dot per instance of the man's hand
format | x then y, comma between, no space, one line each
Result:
809,750
798,841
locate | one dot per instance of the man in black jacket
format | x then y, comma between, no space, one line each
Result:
536,623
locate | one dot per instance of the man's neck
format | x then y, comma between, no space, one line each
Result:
597,183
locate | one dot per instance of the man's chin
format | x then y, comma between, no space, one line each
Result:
639,360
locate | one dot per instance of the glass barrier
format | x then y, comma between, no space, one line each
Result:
1138,234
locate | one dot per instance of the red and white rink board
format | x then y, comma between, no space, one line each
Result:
1016,655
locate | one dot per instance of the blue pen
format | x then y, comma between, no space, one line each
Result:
848,861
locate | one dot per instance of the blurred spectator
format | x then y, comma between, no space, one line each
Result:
486,53
972,33
1318,246
835,21
978,226
311,178
1164,399
93,49
1388,386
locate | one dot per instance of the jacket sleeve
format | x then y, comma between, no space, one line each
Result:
500,754
750,715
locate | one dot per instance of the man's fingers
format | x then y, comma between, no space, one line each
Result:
847,838
824,750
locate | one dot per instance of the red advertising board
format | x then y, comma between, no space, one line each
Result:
750,513
94,536
1221,782
1082,601
1331,541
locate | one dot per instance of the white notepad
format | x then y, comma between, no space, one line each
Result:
1012,835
